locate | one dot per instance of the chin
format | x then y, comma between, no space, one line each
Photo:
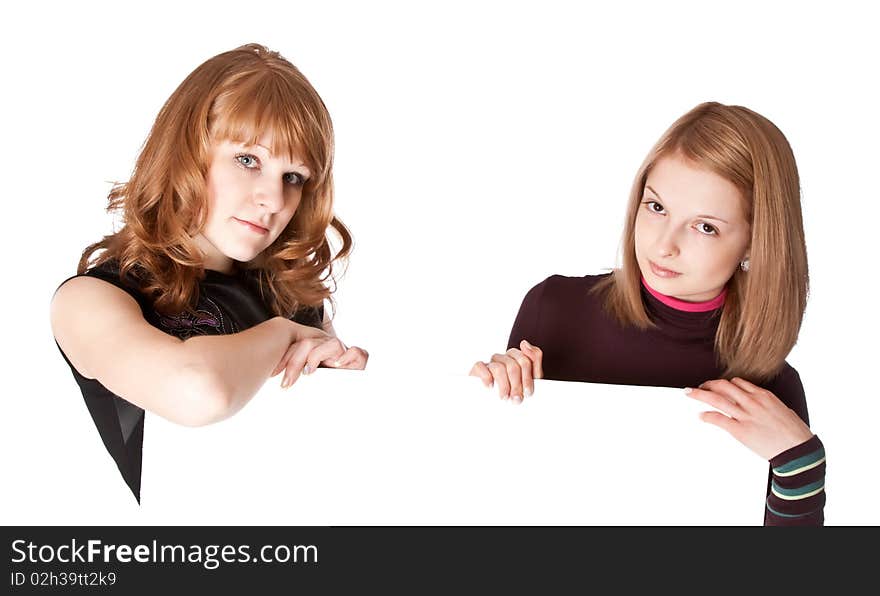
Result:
676,288
242,255
663,285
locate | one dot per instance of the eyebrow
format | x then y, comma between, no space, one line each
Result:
648,186
269,151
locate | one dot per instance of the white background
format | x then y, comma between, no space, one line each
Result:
481,147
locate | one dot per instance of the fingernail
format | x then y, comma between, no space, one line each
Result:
337,362
307,370
517,399
528,392
285,381
688,390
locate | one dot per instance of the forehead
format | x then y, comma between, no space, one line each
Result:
688,188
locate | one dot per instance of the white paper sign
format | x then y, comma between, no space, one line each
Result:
356,448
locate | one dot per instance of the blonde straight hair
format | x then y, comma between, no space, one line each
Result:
765,306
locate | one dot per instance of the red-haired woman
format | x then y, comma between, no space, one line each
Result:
709,297
219,276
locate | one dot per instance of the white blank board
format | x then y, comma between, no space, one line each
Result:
356,448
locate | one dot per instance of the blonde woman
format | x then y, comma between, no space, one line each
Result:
709,297
218,278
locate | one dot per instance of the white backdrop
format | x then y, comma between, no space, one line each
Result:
481,147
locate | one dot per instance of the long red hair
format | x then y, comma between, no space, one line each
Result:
237,95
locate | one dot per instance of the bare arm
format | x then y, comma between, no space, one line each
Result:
198,381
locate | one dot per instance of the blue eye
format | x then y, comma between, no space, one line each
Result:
294,178
252,162
247,160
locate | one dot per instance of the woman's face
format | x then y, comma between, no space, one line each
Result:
690,232
252,196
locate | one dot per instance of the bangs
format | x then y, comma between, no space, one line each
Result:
264,103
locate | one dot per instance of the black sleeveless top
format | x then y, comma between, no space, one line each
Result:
227,303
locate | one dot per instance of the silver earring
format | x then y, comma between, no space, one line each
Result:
744,264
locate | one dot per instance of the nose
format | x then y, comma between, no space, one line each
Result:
666,244
270,195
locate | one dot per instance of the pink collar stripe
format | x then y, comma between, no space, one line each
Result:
677,304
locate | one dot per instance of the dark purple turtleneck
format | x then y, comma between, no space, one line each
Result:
581,342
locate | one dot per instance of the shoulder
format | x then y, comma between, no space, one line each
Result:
558,298
255,282
789,388
86,312
98,295
92,297
553,307
565,288
107,272
787,380
312,316
103,281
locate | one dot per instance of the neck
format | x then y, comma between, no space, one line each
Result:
677,304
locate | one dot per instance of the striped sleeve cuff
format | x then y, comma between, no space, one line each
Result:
797,485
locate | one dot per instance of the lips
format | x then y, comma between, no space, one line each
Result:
661,272
252,226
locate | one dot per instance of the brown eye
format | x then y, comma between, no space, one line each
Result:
654,207
707,229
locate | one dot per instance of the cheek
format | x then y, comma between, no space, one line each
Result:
220,187
641,233
295,202
216,204
211,201
290,210
722,261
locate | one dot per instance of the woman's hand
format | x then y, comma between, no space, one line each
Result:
313,347
754,416
513,372
353,358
